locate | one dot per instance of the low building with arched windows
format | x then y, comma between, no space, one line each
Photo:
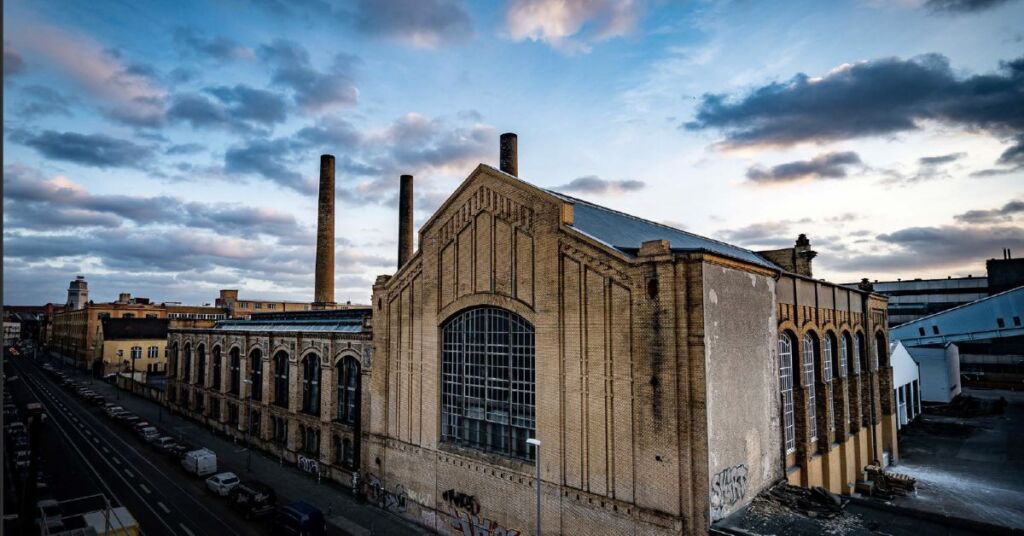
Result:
286,383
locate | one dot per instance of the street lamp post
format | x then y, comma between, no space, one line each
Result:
536,455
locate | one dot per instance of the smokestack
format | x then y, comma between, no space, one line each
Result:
404,220
324,288
508,159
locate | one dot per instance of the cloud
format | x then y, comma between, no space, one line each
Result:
915,249
14,64
995,215
871,98
952,7
38,101
185,148
570,25
928,168
419,23
270,159
824,166
594,185
933,161
127,93
233,108
218,48
95,150
768,234
313,90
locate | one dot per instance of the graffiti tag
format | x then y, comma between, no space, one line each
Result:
727,487
308,465
468,524
377,493
461,500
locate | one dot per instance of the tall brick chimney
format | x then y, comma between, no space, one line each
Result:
404,220
509,157
323,295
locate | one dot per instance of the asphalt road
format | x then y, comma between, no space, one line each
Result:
86,453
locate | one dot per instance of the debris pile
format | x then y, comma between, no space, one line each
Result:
885,486
817,502
968,406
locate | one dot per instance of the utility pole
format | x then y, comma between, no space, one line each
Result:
536,455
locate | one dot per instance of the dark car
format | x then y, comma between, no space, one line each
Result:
179,450
299,519
253,499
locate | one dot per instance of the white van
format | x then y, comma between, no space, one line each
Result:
200,462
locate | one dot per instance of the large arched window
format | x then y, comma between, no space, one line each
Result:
348,390
216,367
881,351
786,388
256,374
235,370
828,354
487,372
281,379
201,371
311,385
172,365
859,354
849,358
187,372
809,351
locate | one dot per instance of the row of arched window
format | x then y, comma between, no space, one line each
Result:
347,386
850,359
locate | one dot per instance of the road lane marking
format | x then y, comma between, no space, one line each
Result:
129,473
144,488
184,528
115,460
163,507
105,450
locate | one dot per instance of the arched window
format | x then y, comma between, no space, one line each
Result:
311,385
882,351
786,388
310,440
172,364
487,373
828,354
201,371
235,366
281,379
809,351
256,374
348,390
216,367
187,373
336,453
858,351
347,454
849,357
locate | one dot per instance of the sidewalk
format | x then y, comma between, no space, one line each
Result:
348,515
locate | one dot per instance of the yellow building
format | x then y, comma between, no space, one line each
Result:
131,345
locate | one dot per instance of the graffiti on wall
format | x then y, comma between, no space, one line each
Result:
308,465
461,500
389,500
467,524
727,487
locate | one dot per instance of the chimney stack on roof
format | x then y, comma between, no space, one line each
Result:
323,294
509,156
404,220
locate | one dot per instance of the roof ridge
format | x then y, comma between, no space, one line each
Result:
638,218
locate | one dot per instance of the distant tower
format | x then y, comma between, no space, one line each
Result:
78,293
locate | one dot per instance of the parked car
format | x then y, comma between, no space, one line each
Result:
113,411
222,483
164,443
253,499
149,434
200,462
300,519
137,427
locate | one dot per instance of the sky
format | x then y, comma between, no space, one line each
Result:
170,149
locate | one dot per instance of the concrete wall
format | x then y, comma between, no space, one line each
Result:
743,408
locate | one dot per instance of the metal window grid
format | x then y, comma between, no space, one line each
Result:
827,377
281,379
256,375
812,408
786,385
311,385
488,382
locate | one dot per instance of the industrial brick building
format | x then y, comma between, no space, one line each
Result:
668,377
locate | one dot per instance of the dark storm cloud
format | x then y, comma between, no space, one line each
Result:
880,97
994,215
312,89
217,48
96,150
594,185
962,6
824,166
14,64
415,22
38,101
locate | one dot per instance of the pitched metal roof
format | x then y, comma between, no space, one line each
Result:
626,233
333,321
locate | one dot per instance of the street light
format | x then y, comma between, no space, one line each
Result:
536,455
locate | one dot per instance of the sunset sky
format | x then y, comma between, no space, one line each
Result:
170,149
